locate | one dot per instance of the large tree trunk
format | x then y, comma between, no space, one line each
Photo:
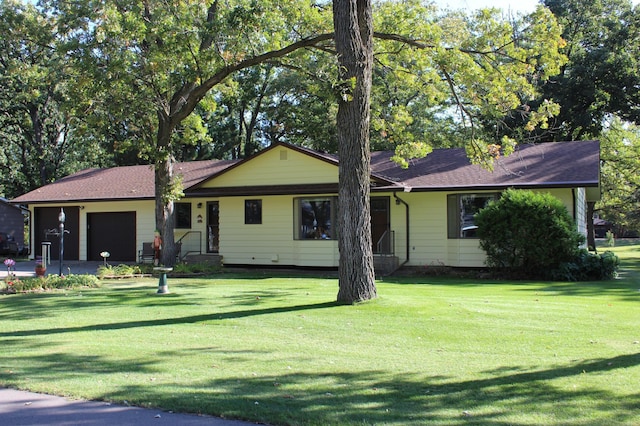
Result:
353,25
165,188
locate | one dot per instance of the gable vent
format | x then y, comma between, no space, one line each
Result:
283,154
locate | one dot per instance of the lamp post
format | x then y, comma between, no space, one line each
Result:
61,219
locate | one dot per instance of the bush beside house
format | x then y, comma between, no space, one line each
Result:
528,234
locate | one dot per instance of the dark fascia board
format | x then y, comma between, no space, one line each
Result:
546,185
235,191
67,201
13,205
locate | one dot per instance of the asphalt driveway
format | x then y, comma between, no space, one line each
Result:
26,268
18,408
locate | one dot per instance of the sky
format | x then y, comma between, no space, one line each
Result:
524,6
514,5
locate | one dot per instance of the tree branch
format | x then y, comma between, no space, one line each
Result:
185,100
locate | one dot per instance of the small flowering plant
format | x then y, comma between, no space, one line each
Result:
10,264
11,277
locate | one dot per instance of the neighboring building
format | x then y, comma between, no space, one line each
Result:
11,228
278,207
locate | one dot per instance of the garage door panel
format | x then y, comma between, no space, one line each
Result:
114,232
46,219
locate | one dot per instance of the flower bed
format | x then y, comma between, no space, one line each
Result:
51,282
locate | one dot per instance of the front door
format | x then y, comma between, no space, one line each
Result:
380,225
213,227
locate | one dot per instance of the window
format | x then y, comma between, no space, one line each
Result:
315,218
461,209
182,215
252,212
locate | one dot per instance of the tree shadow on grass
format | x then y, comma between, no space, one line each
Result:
381,397
499,396
168,321
623,289
37,305
620,289
255,274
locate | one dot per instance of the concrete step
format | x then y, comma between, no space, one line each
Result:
211,258
385,264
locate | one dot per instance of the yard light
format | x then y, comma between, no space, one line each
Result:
61,219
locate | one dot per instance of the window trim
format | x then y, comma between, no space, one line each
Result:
253,216
454,219
298,227
178,224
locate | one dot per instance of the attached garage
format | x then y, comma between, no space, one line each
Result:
114,232
46,225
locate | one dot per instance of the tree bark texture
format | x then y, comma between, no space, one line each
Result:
353,24
164,184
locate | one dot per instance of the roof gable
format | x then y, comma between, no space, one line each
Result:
283,168
280,164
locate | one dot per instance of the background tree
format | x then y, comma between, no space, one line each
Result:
600,78
620,155
272,103
151,63
597,84
603,73
144,68
37,116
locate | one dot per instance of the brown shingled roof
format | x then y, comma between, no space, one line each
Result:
117,183
564,164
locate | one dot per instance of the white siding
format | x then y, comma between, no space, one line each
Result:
429,244
271,242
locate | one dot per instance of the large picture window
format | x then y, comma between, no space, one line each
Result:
315,218
182,215
461,211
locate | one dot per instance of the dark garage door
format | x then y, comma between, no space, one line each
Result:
112,232
45,220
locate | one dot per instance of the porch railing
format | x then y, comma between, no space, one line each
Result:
386,243
190,243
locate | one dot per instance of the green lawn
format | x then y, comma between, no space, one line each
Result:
276,349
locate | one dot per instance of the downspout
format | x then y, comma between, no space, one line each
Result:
398,201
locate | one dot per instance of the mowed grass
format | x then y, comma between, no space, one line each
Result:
275,348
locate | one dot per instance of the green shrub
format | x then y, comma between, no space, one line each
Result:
588,267
121,270
51,282
527,234
196,268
